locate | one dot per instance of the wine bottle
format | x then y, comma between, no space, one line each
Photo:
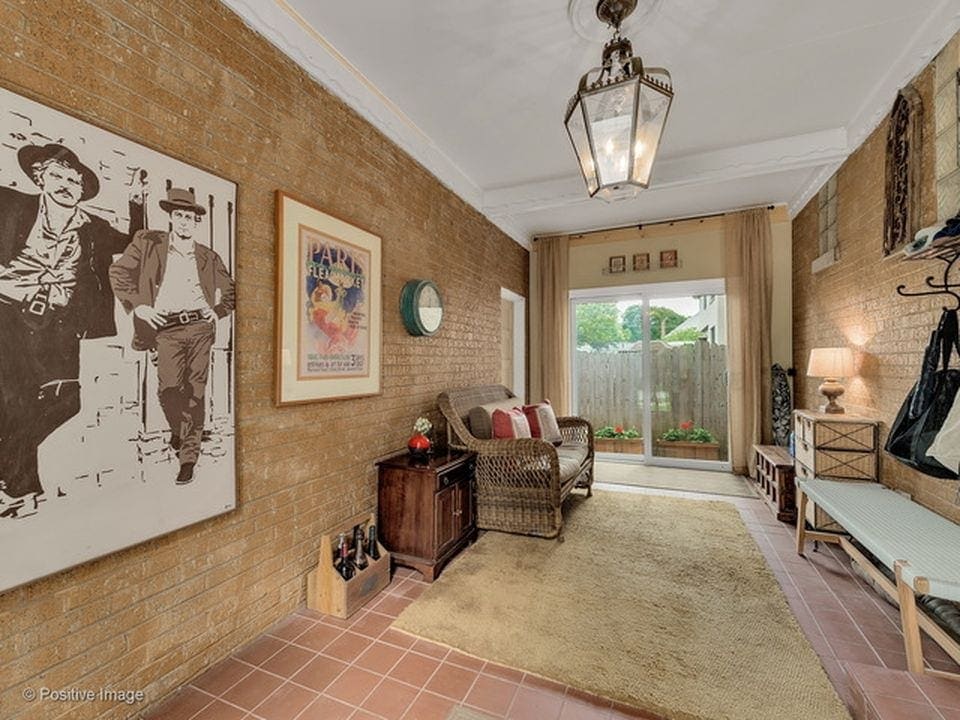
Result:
338,553
373,549
359,558
346,567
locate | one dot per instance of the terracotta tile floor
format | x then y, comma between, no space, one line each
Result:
315,667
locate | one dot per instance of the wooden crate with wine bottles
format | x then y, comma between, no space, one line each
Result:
353,567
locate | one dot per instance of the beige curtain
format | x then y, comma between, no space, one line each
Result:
749,275
553,315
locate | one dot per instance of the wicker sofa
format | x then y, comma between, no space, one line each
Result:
521,484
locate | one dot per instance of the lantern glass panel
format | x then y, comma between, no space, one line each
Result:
577,129
652,115
610,114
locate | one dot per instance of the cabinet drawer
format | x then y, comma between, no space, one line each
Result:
804,452
455,475
845,435
845,464
803,472
802,429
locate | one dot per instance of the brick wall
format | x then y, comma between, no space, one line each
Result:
947,167
855,302
189,79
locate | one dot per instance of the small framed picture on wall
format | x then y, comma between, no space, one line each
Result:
617,264
641,261
668,259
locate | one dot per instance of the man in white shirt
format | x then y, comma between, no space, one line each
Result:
176,289
54,292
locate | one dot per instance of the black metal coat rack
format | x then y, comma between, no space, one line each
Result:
950,255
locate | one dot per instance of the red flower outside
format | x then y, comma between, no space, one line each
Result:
688,425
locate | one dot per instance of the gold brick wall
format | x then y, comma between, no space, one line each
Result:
855,302
191,80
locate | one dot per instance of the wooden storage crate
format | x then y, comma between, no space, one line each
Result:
775,477
328,592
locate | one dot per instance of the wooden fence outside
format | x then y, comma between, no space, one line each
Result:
688,382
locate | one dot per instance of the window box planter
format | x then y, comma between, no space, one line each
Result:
690,450
633,446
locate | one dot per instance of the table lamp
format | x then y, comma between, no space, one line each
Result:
830,364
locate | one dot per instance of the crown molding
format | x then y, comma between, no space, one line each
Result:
942,24
817,179
508,225
923,47
716,166
290,33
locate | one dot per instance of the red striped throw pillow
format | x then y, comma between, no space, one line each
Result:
543,422
509,424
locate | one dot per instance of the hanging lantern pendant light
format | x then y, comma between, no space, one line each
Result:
617,116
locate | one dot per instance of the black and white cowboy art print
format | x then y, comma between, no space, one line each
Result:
116,342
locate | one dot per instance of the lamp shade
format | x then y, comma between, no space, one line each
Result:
830,362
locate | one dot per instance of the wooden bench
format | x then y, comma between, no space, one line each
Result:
775,478
919,546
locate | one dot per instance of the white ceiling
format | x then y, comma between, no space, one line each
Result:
771,95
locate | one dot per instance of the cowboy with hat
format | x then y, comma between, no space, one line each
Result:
179,199
54,291
176,289
34,159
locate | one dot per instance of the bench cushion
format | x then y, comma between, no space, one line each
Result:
571,455
894,528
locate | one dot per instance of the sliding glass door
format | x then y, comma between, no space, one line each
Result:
649,371
608,371
687,356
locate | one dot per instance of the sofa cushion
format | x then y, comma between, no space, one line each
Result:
571,456
543,422
510,424
481,417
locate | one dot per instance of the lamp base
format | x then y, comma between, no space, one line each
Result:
831,390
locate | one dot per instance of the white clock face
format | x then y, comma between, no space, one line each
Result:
429,309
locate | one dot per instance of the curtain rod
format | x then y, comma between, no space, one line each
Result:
640,226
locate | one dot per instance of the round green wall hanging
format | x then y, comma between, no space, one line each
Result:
421,307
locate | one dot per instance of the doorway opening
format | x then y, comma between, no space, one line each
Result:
513,345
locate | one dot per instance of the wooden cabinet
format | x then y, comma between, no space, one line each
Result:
837,447
426,510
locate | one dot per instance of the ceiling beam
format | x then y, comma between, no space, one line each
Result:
717,166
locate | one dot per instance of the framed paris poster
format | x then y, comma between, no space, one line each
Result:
116,341
328,306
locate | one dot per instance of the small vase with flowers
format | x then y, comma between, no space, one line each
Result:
419,444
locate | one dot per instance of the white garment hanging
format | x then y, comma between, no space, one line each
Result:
946,445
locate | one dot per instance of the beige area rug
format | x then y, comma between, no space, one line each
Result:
662,603
667,478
